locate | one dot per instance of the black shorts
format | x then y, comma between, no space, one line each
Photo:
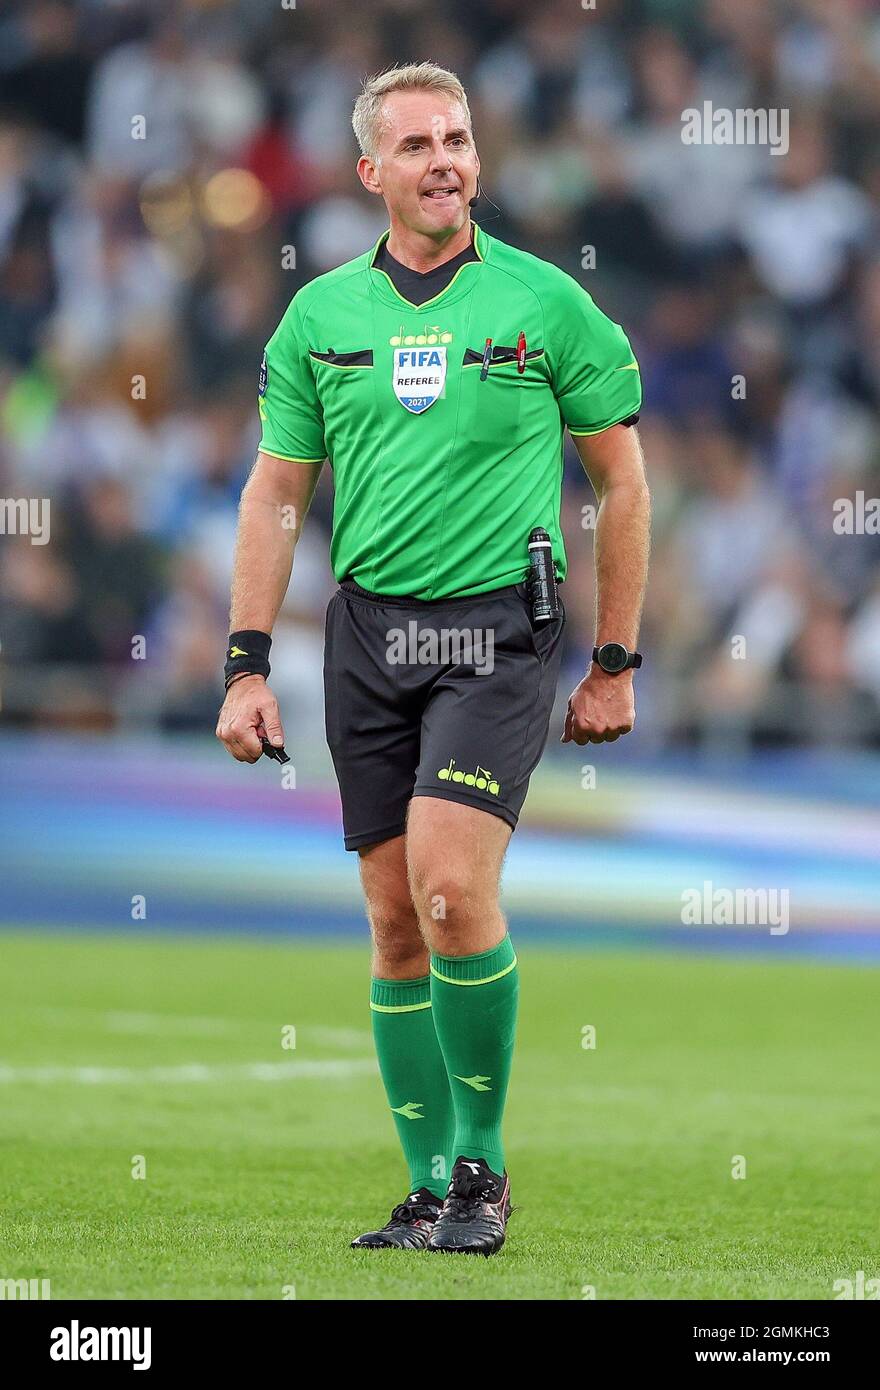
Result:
448,698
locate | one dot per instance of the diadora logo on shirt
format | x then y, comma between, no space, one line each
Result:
430,336
482,779
419,376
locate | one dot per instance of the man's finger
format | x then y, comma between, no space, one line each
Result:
236,748
246,737
245,755
587,731
272,723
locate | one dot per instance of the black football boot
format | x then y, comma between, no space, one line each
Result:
410,1225
474,1216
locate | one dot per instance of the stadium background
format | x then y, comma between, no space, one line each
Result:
139,280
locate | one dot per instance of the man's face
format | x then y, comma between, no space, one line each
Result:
427,167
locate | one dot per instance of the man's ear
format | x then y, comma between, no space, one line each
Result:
368,175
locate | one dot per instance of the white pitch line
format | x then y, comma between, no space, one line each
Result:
191,1025
337,1037
149,1024
317,1070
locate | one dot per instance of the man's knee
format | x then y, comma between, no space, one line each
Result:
455,909
454,856
442,899
394,922
397,936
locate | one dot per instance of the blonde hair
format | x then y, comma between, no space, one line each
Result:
409,77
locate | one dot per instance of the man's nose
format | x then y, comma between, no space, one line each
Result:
440,160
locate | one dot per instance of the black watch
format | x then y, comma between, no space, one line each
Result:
613,657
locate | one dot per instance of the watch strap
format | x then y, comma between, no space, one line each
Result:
634,659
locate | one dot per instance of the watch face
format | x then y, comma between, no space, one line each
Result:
613,657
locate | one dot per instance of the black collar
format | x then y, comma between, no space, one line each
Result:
417,286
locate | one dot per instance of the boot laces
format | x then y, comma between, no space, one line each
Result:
408,1212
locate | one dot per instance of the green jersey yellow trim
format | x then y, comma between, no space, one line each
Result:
601,430
288,458
417,494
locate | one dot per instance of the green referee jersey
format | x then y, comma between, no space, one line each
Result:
440,476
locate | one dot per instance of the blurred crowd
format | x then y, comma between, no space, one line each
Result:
171,173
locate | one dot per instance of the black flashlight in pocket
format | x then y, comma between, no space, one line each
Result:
542,577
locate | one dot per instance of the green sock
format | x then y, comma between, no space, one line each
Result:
415,1078
475,999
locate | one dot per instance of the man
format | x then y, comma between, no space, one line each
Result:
438,372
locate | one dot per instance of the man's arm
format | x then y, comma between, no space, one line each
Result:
602,707
273,507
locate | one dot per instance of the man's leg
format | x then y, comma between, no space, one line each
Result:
454,856
410,1059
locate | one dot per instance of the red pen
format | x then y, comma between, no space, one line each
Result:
521,353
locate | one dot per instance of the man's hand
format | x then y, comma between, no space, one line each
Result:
600,708
249,714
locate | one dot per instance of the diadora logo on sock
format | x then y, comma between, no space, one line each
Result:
476,1082
410,1110
482,778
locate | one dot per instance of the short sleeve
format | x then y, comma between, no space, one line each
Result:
595,376
290,411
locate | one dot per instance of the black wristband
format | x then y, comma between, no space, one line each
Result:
247,655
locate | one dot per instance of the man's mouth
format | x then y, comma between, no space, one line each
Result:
438,194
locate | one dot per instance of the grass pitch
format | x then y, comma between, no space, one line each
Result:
261,1163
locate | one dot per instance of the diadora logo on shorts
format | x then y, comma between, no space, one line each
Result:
482,779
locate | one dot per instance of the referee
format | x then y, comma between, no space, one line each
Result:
437,372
